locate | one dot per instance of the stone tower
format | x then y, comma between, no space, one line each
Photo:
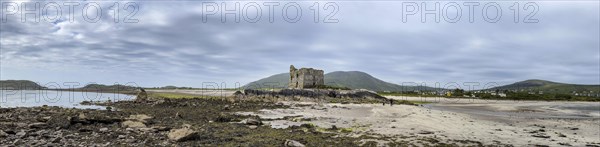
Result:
305,77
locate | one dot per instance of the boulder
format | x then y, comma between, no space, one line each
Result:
182,134
142,96
252,121
21,134
3,134
133,124
293,143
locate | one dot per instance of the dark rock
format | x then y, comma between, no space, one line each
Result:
85,130
540,136
564,144
161,128
56,140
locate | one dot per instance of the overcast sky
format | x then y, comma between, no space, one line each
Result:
172,45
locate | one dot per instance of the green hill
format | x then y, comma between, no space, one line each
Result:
20,85
349,79
549,87
117,87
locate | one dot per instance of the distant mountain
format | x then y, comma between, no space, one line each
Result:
349,79
19,85
549,86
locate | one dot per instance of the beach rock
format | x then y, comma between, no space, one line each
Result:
85,130
103,130
564,144
147,129
56,140
21,134
3,134
142,96
37,125
540,136
44,119
425,132
133,124
293,143
161,128
140,117
182,134
252,127
253,121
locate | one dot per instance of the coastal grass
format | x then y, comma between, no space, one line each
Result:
172,95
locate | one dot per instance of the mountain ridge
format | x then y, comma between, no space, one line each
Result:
349,79
548,86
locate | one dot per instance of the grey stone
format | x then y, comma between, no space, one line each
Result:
293,143
3,134
305,78
182,134
142,96
21,134
253,121
37,125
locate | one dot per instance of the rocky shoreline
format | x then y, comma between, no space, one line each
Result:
167,122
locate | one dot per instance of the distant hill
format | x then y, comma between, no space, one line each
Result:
117,87
349,79
548,86
19,85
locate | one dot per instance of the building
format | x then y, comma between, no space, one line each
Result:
305,78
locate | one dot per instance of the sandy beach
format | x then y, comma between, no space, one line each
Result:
518,123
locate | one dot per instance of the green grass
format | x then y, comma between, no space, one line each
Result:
170,95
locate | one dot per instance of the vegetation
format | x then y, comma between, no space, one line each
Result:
536,96
332,87
171,95
20,85
549,87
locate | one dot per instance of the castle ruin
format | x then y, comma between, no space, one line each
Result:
305,78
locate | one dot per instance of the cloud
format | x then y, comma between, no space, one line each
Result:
172,45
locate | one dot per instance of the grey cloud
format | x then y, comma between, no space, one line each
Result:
172,45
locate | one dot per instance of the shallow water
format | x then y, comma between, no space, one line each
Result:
67,99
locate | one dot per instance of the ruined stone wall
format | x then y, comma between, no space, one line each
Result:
305,77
